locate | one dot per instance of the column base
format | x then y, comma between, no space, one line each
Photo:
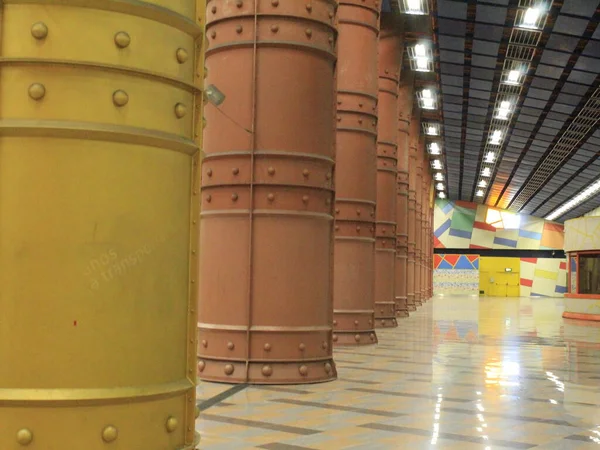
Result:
356,338
385,315
193,446
410,302
402,313
400,305
311,370
386,323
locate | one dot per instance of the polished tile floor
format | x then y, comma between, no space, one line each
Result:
460,373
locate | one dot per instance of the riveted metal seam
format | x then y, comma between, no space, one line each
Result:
358,93
286,44
96,132
287,185
355,239
358,23
250,15
140,73
267,212
131,7
216,326
88,396
270,153
354,112
356,200
387,91
358,130
262,360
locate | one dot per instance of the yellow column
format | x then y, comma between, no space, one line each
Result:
99,114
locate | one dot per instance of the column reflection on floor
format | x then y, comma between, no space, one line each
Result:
462,372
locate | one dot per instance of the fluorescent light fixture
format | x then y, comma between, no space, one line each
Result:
427,99
438,177
436,164
513,77
531,17
486,172
421,57
432,130
482,183
502,114
496,137
441,195
440,186
479,193
420,51
575,201
490,157
504,110
422,64
434,148
413,7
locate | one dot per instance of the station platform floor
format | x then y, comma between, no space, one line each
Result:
460,373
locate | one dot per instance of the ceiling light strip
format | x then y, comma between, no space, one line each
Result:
519,55
584,195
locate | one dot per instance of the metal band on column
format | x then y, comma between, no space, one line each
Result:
354,260
390,59
100,129
425,224
405,106
419,222
413,143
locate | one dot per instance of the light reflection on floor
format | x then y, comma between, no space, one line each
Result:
462,372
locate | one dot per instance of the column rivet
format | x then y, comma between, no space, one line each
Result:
122,39
39,30
37,91
24,436
110,433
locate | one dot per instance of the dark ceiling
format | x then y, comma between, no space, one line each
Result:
550,145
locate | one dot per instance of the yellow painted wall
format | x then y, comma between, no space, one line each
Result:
495,281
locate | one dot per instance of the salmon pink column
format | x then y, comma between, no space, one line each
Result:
430,195
413,144
356,169
425,227
418,221
405,106
390,59
266,291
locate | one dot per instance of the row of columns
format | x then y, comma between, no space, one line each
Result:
296,259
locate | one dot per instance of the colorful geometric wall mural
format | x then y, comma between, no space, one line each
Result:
593,213
459,275
456,274
543,277
582,234
459,224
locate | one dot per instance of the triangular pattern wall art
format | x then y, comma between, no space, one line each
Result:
462,224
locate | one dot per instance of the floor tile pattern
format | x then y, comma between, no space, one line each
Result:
460,373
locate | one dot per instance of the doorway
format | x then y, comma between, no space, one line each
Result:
499,277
